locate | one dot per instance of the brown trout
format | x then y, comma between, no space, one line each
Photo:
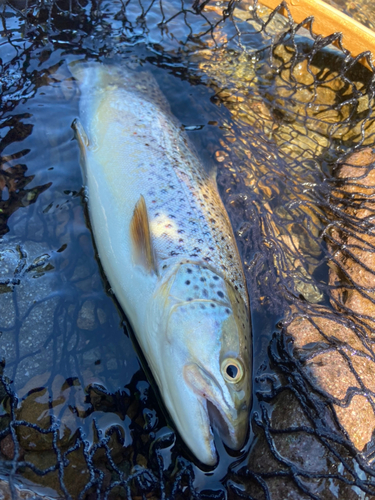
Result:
168,250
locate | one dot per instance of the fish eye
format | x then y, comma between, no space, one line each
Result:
232,370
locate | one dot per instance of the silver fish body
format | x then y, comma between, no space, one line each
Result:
168,250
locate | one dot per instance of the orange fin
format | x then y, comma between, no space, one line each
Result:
141,237
84,143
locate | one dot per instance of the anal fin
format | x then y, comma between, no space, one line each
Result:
141,237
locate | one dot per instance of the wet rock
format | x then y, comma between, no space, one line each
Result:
290,458
337,349
33,297
299,449
76,473
7,447
24,491
352,239
9,259
86,316
43,406
102,317
337,364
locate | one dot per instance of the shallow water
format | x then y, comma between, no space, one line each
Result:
67,348
65,343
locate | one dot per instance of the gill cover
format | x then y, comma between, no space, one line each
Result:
207,368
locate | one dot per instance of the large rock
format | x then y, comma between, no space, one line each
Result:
337,348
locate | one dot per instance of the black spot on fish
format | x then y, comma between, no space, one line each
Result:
202,279
212,305
189,270
227,311
187,282
216,278
220,294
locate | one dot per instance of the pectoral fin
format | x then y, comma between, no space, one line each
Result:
83,142
141,237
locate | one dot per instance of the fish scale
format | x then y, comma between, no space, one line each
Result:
186,215
199,283
183,199
168,250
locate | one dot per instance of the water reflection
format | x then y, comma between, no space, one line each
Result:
13,183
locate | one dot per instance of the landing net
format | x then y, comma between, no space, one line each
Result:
288,117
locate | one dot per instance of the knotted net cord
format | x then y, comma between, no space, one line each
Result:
291,110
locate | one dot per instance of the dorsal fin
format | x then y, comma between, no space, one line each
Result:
141,237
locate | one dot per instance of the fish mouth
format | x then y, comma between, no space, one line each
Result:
222,426
221,414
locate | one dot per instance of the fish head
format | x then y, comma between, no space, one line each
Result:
207,369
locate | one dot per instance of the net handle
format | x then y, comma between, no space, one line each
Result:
328,20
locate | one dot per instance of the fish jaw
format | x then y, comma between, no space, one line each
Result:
199,402
190,416
221,413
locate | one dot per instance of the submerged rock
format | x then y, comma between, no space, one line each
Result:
24,491
352,239
337,348
336,362
86,317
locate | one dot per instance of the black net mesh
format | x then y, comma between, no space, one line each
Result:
288,117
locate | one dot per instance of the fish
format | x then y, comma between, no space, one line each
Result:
168,250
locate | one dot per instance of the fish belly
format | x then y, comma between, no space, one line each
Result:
135,147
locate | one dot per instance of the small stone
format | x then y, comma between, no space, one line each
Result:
7,447
358,420
102,317
86,317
